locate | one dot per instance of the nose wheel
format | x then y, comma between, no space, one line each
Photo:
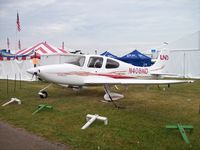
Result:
43,94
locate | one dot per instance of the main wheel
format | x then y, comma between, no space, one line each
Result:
43,94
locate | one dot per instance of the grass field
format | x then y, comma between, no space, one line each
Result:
141,125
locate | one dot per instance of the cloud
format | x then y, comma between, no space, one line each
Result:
25,4
101,24
52,28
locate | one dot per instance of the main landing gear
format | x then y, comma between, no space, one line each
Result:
42,93
111,96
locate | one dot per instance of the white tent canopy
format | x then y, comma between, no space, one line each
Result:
14,69
185,56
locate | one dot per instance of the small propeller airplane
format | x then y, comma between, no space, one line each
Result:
85,70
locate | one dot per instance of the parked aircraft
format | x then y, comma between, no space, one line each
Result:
85,70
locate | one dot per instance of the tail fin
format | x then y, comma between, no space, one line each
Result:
160,65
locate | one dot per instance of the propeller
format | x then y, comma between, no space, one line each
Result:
34,74
34,71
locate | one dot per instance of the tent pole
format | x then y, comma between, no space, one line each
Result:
20,81
7,84
15,83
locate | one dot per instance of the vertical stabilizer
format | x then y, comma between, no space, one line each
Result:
161,63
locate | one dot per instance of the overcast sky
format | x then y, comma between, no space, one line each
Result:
115,25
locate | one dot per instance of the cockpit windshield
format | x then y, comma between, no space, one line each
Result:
75,60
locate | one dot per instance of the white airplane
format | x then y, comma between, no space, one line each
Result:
84,70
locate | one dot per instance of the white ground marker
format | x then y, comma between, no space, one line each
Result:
12,100
91,118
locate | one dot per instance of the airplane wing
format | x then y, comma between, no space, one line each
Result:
167,75
99,81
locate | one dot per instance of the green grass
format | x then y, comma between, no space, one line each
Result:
141,125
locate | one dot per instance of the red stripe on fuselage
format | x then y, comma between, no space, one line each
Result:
115,76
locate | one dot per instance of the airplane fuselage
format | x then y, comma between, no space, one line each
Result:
79,68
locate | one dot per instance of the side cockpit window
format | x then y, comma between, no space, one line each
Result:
75,60
111,64
95,62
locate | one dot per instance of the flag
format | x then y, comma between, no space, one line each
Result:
8,43
19,45
18,23
63,45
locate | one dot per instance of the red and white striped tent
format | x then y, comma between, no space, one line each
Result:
16,67
43,49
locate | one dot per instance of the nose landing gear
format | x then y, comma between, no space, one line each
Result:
42,93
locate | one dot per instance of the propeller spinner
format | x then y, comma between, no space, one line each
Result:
33,71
